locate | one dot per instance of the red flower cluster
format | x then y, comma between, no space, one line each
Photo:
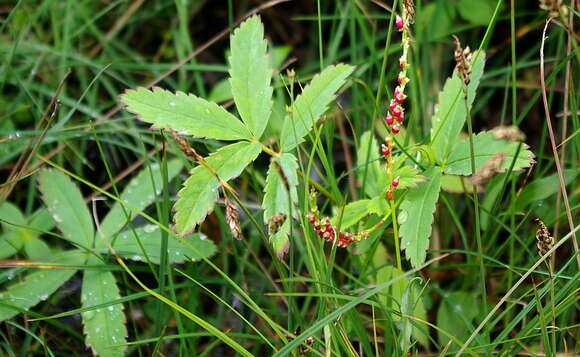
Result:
328,232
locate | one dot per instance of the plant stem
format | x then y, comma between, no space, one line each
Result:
476,206
396,235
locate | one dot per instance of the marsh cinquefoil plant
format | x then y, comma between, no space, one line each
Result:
250,81
103,318
409,183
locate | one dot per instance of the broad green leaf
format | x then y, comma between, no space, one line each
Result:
412,305
10,244
184,113
222,91
36,248
277,199
485,148
251,75
450,113
139,193
312,103
416,217
280,241
543,188
65,202
200,190
12,239
41,220
457,184
477,12
126,245
352,214
38,286
370,161
103,327
455,315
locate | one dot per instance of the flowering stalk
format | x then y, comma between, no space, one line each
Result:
327,231
396,114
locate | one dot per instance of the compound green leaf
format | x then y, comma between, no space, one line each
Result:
450,111
485,148
103,327
200,190
280,196
370,161
186,114
251,75
312,103
38,286
138,194
65,202
149,237
416,217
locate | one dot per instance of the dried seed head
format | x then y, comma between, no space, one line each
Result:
491,168
278,220
508,132
410,10
233,219
463,61
554,7
544,238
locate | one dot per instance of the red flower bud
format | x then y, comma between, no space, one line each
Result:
401,117
395,182
396,128
385,150
389,119
399,23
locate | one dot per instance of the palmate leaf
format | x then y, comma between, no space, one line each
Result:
103,327
486,147
369,161
185,113
65,202
38,286
416,217
450,112
126,245
199,191
138,194
312,103
251,75
277,199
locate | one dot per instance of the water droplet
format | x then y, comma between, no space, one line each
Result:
88,315
202,237
136,258
150,228
457,307
111,308
98,330
43,297
408,243
57,218
11,275
403,217
206,111
172,104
